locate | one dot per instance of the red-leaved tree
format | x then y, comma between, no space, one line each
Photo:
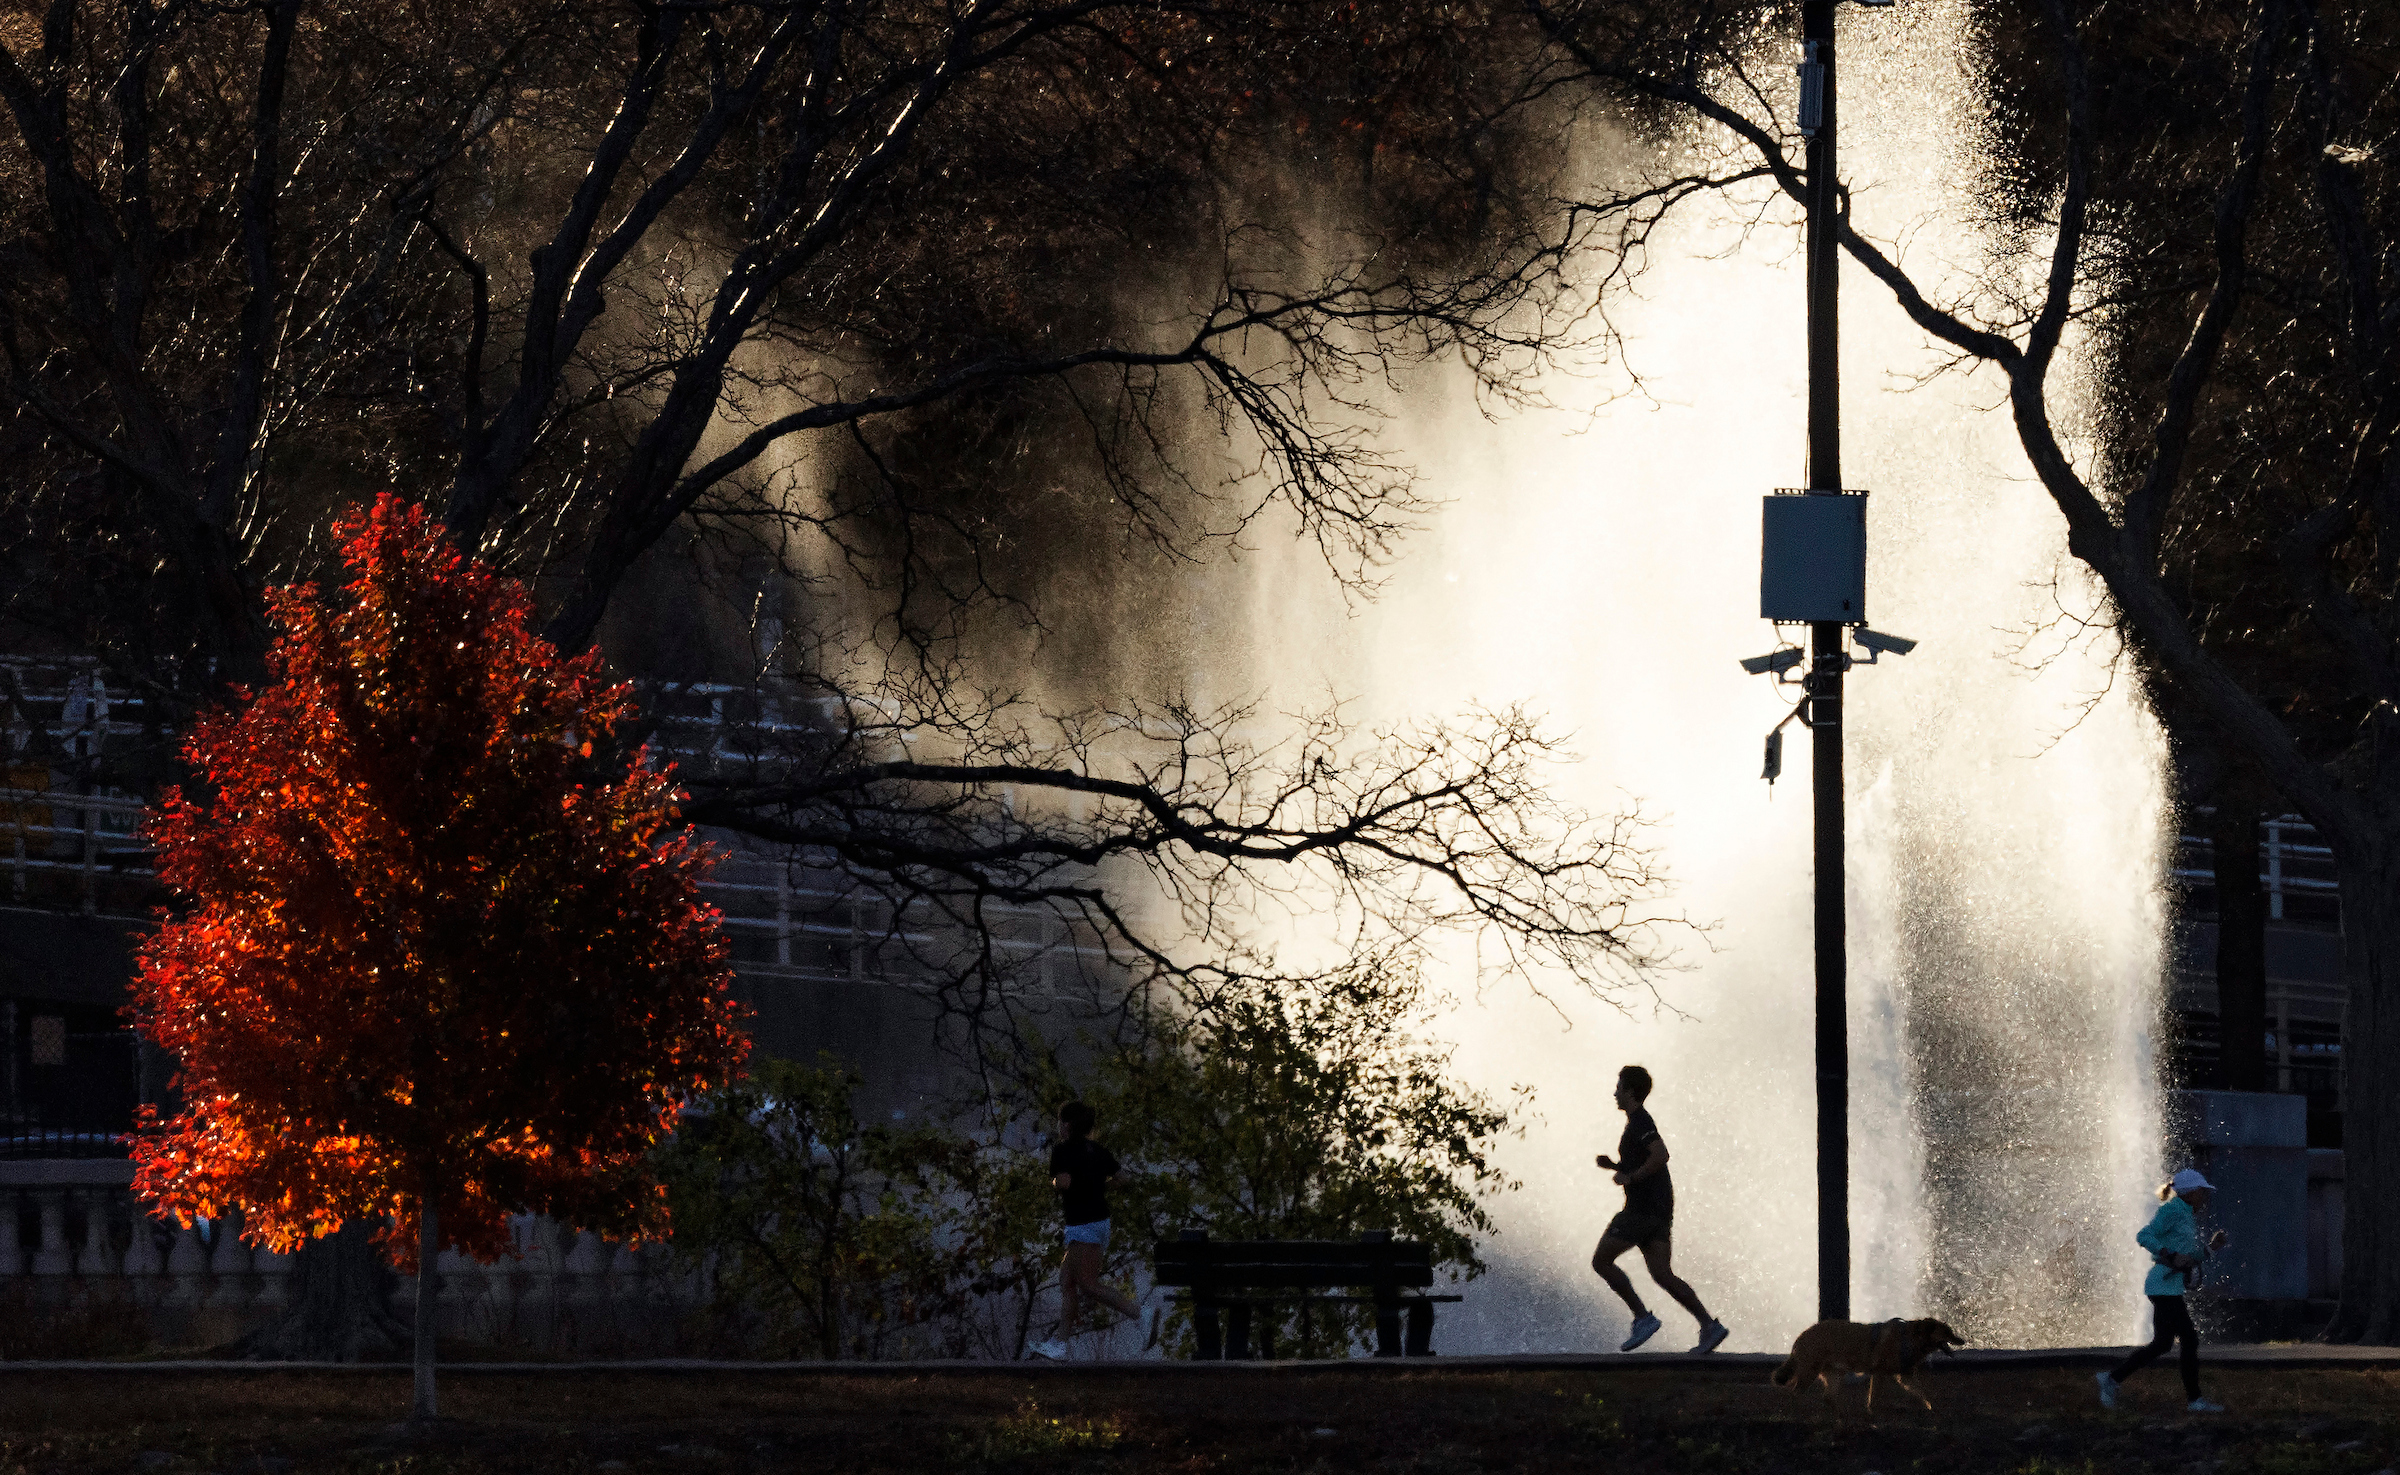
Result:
435,963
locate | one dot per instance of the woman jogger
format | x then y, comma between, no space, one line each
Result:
2173,1239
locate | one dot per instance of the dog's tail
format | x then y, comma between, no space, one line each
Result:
1786,1373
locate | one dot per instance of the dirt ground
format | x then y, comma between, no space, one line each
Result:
1405,1421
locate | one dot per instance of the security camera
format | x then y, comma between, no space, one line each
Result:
1880,643
1777,661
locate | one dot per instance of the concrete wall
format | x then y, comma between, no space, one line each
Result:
2254,1147
2326,1178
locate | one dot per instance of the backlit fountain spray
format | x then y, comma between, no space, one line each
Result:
2007,813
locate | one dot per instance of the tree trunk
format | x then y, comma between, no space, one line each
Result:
341,1306
2370,1305
429,1287
2233,836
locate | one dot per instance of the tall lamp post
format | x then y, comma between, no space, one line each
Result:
1813,572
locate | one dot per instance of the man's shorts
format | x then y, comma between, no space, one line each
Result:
1094,1233
1639,1229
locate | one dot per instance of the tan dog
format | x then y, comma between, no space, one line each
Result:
1889,1349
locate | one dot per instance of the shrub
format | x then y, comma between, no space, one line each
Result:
1316,1111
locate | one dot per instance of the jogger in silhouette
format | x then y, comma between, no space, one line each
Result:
1647,1222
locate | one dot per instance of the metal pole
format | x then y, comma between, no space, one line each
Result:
1825,708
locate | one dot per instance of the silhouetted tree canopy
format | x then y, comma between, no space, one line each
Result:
844,351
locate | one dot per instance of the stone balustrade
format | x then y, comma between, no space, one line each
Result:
75,1243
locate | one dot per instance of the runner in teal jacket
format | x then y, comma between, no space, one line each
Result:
2173,1239
2176,1253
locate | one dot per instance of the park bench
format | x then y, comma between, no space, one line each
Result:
1227,1277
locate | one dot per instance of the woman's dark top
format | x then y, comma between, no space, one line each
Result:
1088,1166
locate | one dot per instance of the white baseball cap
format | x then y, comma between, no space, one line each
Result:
2189,1179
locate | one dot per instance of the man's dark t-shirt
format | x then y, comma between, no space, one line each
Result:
1656,1193
1089,1165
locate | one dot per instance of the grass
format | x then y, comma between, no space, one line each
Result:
1033,1435
1454,1420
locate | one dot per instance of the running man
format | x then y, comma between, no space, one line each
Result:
1081,1170
1647,1222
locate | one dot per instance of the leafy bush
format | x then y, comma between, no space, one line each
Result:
1272,1113
1259,1113
822,1231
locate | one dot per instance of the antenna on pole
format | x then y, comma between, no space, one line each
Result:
1813,572
1843,519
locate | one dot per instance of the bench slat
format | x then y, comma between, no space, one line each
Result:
1289,1300
1211,1276
1225,1279
1290,1252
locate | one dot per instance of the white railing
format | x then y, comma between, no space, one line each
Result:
81,853
75,851
64,710
2292,865
66,851
786,919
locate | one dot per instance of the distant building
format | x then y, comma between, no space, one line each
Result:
823,964
2305,995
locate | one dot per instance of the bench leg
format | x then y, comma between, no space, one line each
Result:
1420,1328
1387,1329
1237,1335
1208,1331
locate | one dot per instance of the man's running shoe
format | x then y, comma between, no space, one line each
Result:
1645,1326
1053,1349
2108,1389
1712,1336
2203,1406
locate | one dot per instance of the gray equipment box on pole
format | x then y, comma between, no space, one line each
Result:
1814,560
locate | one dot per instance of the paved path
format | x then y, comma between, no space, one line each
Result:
2292,1355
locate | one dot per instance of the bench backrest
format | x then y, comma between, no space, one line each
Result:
1232,1264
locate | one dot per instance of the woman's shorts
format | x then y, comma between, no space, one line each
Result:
1094,1233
